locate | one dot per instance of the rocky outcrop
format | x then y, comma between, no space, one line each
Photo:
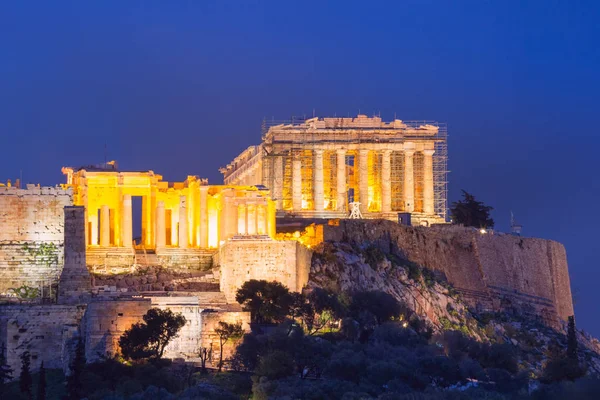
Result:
492,271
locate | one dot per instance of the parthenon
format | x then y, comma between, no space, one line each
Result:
315,167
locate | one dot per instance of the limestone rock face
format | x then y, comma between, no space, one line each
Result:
341,267
491,271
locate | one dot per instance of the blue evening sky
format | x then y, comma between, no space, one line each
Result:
180,87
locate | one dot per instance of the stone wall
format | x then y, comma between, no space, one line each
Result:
107,320
46,331
241,260
32,237
496,271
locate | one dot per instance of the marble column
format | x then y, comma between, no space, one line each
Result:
318,194
261,220
296,182
93,218
342,196
428,197
386,181
127,221
251,219
161,228
409,181
242,219
203,217
104,226
277,190
183,231
363,180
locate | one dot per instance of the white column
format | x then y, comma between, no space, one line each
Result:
428,198
318,195
251,221
342,196
296,182
242,219
409,181
386,181
261,220
93,218
363,180
203,217
277,189
104,226
161,229
183,233
127,221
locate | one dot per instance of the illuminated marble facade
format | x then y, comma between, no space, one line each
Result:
189,214
316,167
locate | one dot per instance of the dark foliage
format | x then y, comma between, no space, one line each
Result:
148,339
25,378
41,387
77,366
572,339
5,370
470,212
373,308
267,302
227,331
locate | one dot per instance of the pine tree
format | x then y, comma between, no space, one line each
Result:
25,379
74,387
572,339
41,388
5,370
470,212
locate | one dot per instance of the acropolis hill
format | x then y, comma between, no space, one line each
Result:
71,267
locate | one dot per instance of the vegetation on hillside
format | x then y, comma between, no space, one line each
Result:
470,212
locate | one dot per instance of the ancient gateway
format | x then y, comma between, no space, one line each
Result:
314,168
189,214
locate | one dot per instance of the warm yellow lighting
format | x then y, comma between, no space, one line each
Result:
404,324
297,234
482,231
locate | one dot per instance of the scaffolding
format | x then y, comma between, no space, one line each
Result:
283,138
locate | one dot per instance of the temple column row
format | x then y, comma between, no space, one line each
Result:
252,219
363,180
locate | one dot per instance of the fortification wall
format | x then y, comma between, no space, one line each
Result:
48,332
495,271
287,262
32,237
107,320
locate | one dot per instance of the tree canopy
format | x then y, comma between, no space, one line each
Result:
148,339
268,302
470,212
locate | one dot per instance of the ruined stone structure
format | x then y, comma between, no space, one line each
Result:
48,235
32,238
188,214
316,167
243,259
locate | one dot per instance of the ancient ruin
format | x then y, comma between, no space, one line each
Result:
316,167
71,267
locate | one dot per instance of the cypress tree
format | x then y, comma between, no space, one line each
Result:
41,388
25,379
5,370
74,387
572,339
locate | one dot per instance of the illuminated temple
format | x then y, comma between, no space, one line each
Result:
315,168
183,215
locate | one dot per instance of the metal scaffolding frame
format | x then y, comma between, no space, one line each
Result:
300,135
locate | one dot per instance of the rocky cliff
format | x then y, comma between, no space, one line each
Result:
495,288
492,272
